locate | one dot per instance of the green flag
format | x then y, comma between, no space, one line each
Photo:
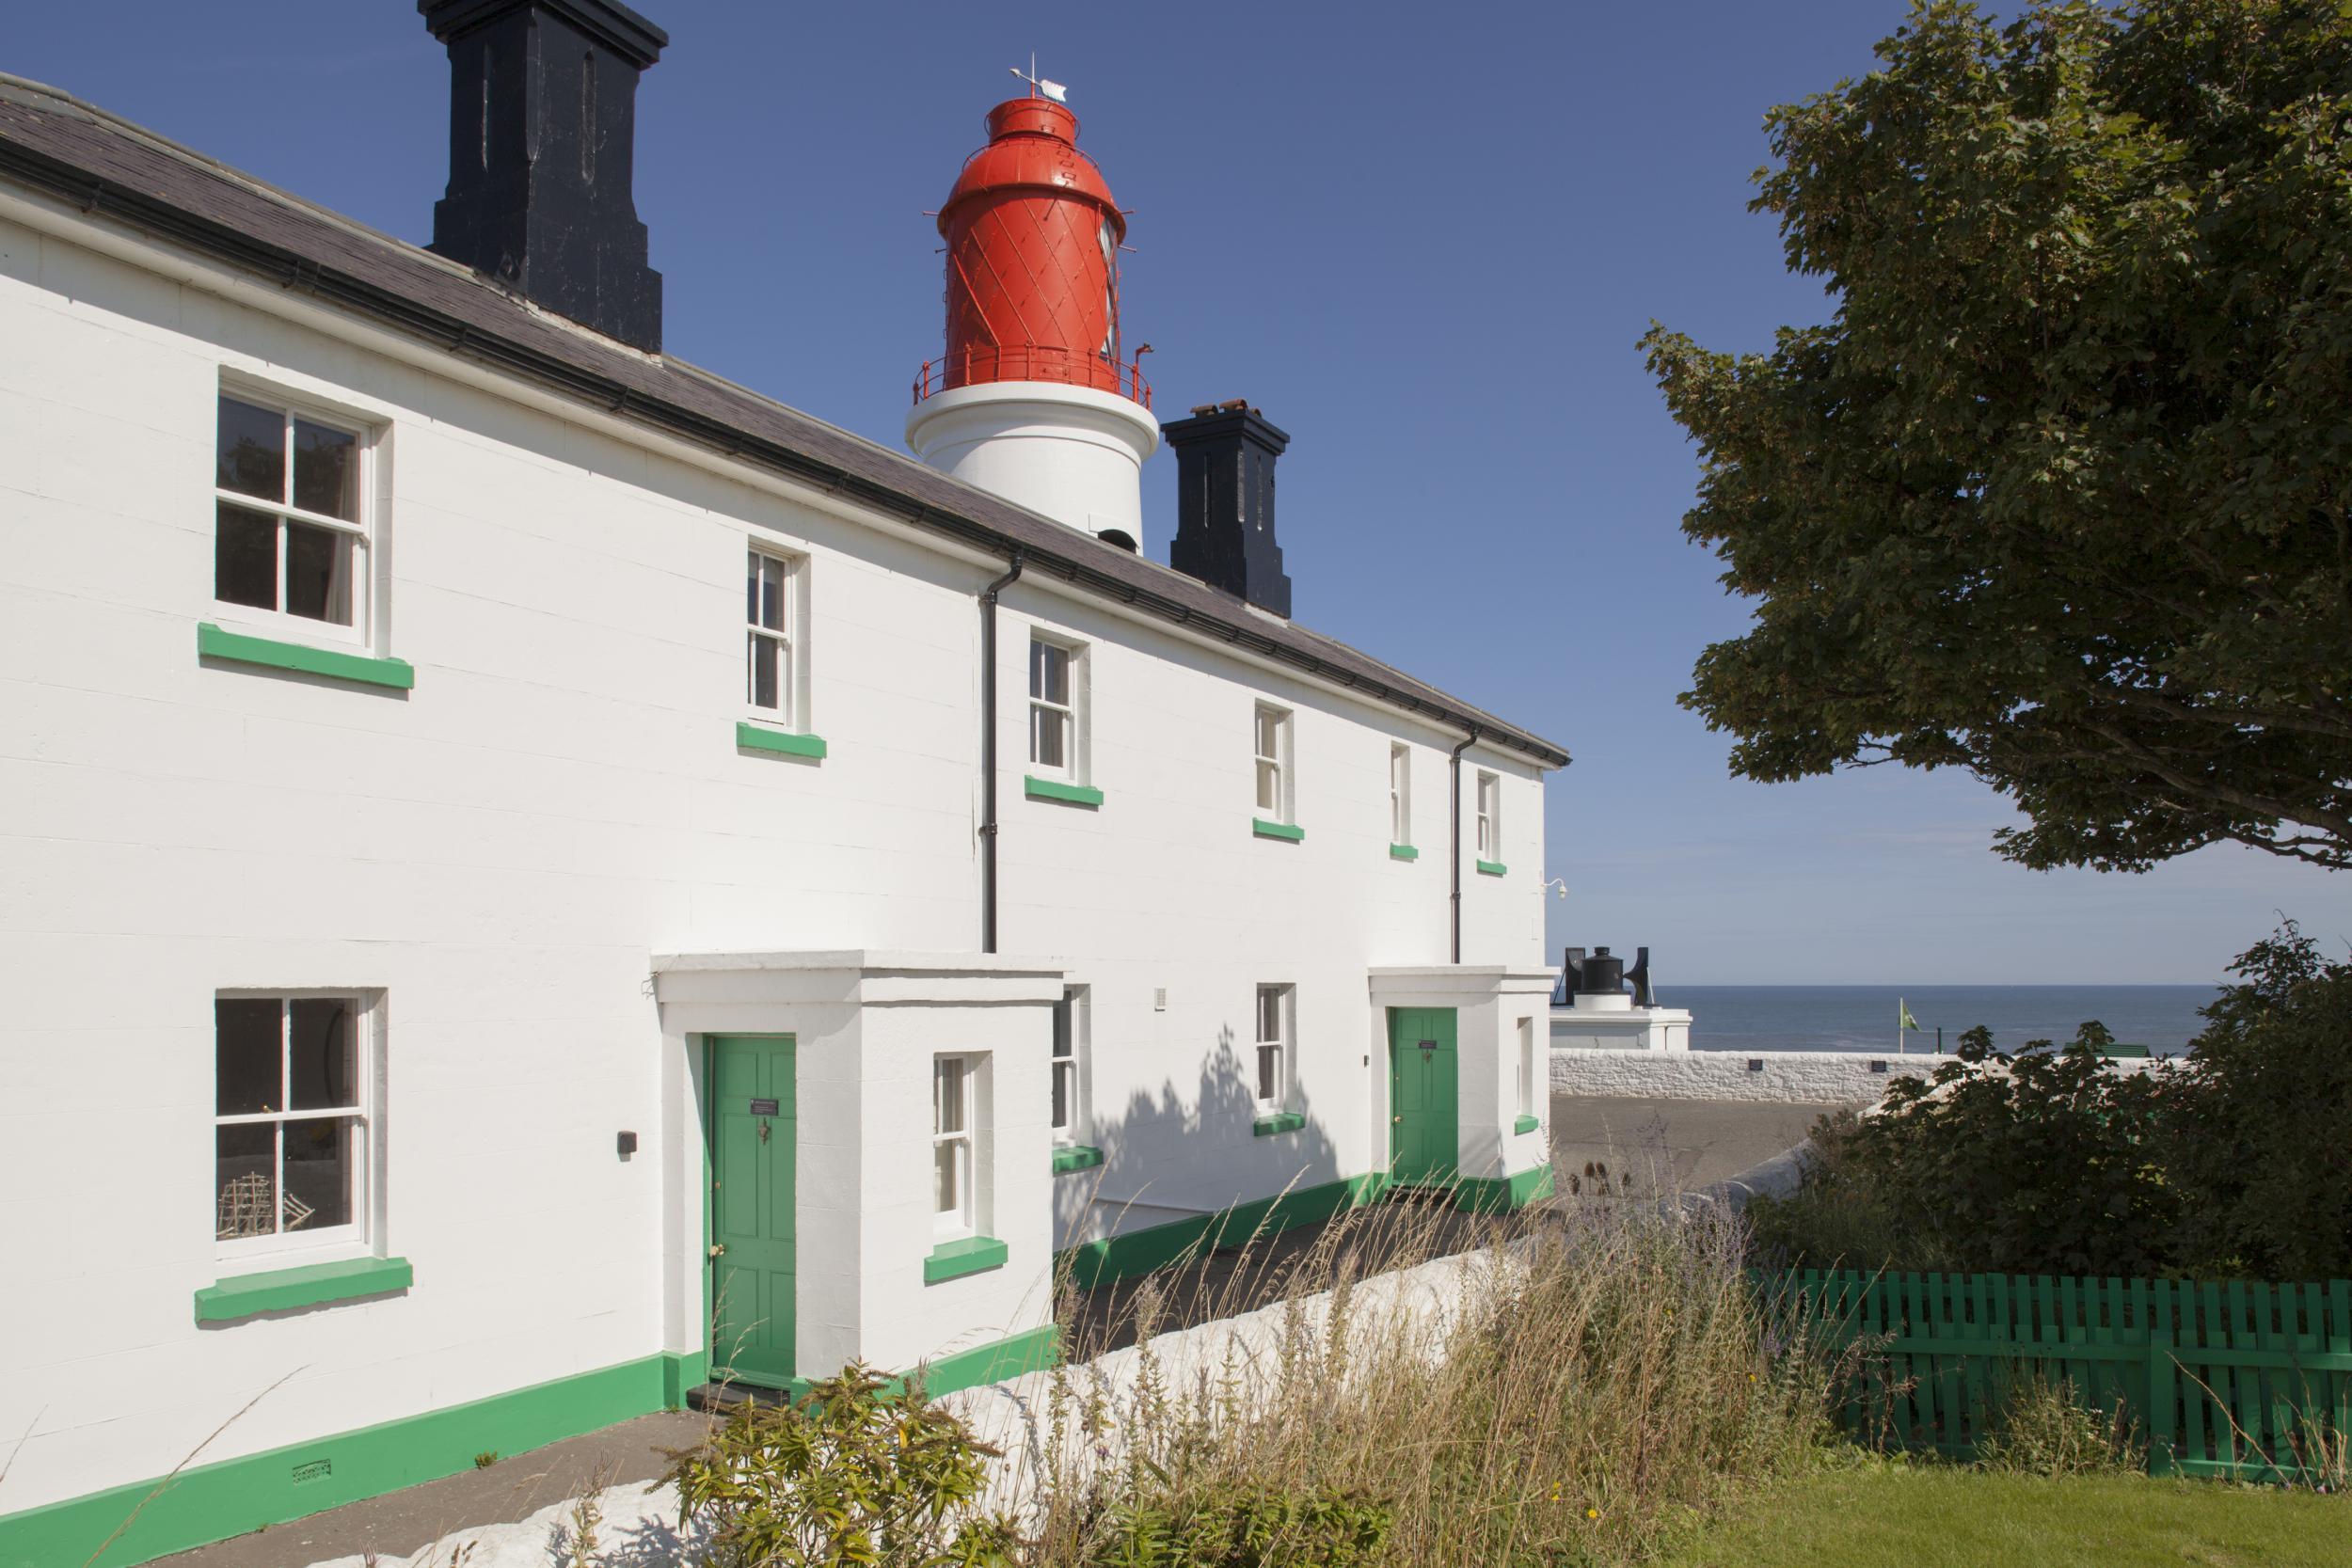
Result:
1904,1009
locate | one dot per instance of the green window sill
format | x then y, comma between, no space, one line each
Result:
213,642
1072,1156
757,737
1402,852
1046,789
1288,831
1282,1121
1492,868
973,1254
245,1295
1525,1124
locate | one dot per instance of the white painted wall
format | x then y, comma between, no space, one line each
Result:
502,850
1074,454
1828,1077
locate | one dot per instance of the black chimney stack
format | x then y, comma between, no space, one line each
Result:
542,149
1225,503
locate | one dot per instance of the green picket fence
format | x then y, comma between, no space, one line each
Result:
2237,1380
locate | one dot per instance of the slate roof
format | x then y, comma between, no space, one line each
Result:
61,147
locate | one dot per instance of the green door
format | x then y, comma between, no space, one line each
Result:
752,1212
1425,1133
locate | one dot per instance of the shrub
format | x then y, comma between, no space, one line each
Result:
2046,1430
847,1476
1242,1525
2256,1119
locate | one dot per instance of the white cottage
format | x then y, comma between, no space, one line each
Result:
537,878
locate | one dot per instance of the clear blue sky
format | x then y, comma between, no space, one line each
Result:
1425,240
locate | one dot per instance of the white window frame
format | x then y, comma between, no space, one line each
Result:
1073,1027
1490,817
364,531
962,1142
1074,713
1275,767
366,1160
1527,1068
790,713
1400,794
1280,1049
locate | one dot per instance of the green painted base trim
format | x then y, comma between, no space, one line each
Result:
682,1370
757,737
1076,1156
1493,868
212,1502
1136,1252
245,1295
213,642
973,1254
1526,1124
1488,1194
1033,1351
1282,1121
1047,789
1290,832
1402,852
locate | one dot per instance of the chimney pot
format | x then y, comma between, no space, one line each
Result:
1225,503
542,122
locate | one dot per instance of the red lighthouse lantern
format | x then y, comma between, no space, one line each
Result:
1033,237
1034,397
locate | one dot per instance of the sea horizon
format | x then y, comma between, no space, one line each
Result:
1862,1017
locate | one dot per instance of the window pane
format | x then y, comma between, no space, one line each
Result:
1269,1071
1048,737
320,1158
1065,1079
1269,786
250,453
1270,733
947,1095
948,1192
323,1049
327,472
246,1040
318,573
245,556
1049,672
1062,1031
768,577
1270,1015
767,676
244,1181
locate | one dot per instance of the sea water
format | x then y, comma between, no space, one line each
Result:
1862,1018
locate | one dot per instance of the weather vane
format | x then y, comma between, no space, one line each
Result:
1038,84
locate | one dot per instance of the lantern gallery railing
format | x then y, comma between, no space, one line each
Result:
1033,362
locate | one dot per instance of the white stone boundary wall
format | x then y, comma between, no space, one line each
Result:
1823,1077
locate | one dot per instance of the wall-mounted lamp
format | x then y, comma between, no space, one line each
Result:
1561,885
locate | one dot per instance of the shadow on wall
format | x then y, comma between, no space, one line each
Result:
1167,1158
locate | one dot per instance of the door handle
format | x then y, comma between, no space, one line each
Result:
718,1249
1397,1120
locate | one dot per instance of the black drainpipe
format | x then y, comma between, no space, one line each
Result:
1453,767
988,758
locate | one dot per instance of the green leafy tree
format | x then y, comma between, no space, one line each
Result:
2062,493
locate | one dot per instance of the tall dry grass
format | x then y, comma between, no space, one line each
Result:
1564,1386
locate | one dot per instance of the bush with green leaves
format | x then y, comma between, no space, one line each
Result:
2234,1161
850,1476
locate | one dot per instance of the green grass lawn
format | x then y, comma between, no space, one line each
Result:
1893,1515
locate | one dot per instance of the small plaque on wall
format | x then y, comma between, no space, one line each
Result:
763,1107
